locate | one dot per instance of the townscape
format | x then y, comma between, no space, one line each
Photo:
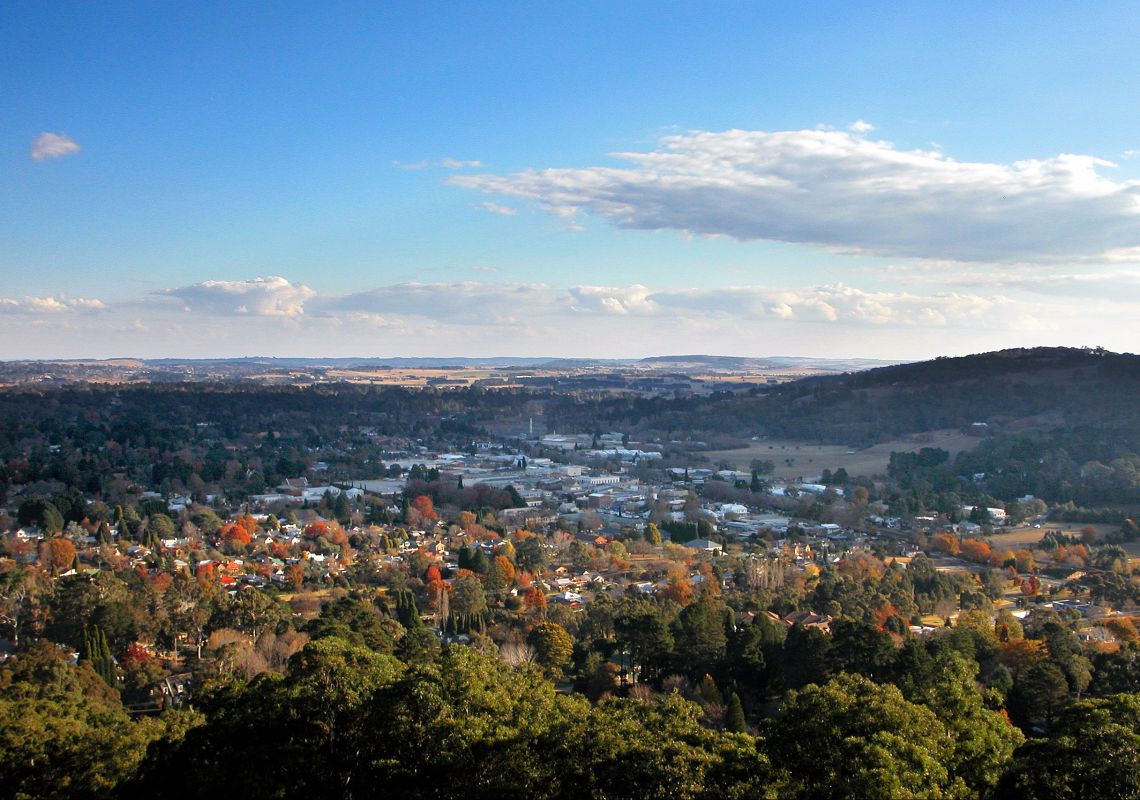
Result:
291,571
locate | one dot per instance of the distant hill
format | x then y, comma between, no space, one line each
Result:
1056,385
747,363
1035,365
1019,388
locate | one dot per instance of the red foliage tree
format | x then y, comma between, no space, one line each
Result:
425,507
295,576
236,533
315,530
534,598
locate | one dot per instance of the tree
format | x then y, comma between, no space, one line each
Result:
535,599
97,653
853,738
734,715
806,656
64,734
1039,696
1094,752
57,555
531,555
468,596
984,741
341,509
678,587
52,519
553,647
862,648
653,534
700,637
648,638
234,533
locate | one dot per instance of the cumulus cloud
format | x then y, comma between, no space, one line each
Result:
48,146
830,303
49,305
860,126
271,296
848,193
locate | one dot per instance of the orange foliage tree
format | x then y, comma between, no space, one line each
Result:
534,598
295,576
678,588
976,550
506,568
236,533
315,530
425,507
57,555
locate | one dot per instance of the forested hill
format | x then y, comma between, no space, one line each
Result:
1025,389
1048,364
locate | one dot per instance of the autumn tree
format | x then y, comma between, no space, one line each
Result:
234,533
57,555
653,534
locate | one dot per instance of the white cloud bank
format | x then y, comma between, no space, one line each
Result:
49,305
476,303
271,296
849,193
831,303
49,146
275,316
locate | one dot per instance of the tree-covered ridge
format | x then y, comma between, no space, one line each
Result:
1073,386
368,706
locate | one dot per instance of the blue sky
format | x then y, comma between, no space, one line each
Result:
589,179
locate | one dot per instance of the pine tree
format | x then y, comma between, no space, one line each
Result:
96,650
734,715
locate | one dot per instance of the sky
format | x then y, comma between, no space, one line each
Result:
619,180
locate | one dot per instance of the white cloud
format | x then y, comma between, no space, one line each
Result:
49,305
271,296
860,126
498,208
847,193
50,145
443,163
264,317
831,303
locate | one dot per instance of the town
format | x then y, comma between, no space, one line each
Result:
168,557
